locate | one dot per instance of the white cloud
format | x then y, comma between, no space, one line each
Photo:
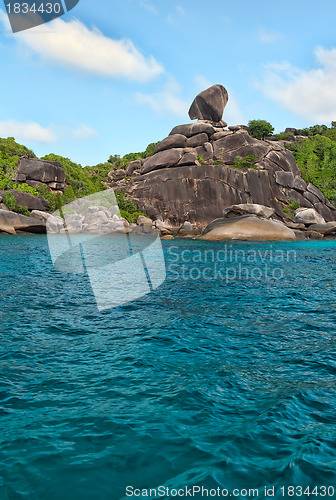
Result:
73,45
149,7
174,16
84,132
308,94
266,36
202,82
26,131
168,101
32,131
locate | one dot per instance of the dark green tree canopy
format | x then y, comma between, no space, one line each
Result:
260,129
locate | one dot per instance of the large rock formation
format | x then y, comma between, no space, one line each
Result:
209,104
201,168
37,172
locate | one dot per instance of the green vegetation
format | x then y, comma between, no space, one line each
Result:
10,202
260,129
283,136
291,207
80,181
78,178
201,159
115,162
316,158
10,152
246,162
127,208
311,131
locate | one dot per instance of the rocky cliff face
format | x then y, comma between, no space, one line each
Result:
203,167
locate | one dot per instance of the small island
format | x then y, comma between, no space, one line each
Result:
204,180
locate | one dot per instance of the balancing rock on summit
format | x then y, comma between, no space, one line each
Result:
203,168
209,104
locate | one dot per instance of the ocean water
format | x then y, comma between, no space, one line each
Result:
222,378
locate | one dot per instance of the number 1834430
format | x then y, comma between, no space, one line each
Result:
35,8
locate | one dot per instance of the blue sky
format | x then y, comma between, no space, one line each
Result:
110,77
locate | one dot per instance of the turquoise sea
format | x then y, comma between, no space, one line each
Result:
222,378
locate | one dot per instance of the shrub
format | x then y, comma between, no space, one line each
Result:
10,201
150,150
127,208
25,188
68,195
246,162
10,152
291,207
201,159
19,209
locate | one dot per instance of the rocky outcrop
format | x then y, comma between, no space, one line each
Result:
37,172
133,167
13,223
199,193
172,141
202,168
29,201
247,227
163,159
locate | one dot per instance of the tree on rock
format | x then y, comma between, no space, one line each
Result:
260,129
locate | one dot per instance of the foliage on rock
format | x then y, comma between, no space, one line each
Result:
127,208
10,152
77,177
10,202
291,207
316,158
246,162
